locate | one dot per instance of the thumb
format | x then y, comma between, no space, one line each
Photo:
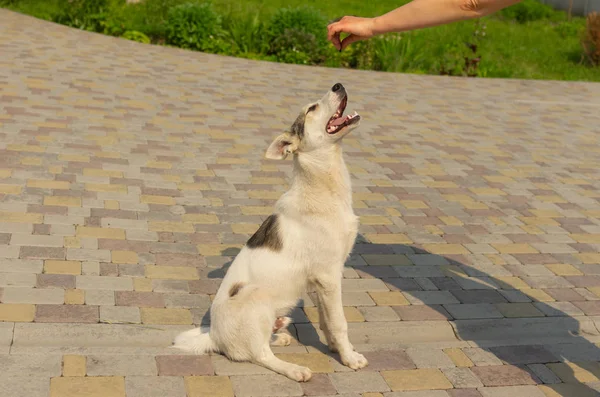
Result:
349,40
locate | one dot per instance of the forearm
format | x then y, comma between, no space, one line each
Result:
420,14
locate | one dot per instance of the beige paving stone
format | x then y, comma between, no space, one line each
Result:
416,379
151,315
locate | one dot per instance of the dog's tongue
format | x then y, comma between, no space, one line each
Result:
338,121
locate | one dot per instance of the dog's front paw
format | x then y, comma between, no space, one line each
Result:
300,374
355,360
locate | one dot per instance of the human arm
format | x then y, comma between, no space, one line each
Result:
417,14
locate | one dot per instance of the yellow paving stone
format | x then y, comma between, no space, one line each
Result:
551,199
10,189
257,210
446,249
538,221
173,227
16,312
100,232
124,257
200,218
366,196
515,248
244,228
496,259
231,160
317,362
264,194
172,272
192,186
389,298
414,204
531,229
508,282
434,230
108,155
74,297
312,313
441,184
372,394
461,198
111,204
488,191
102,173
165,165
375,220
26,148
63,201
353,315
564,270
586,238
545,213
459,358
453,271
72,242
208,386
171,178
48,184
62,267
209,172
474,205
499,179
218,249
594,290
162,200
359,204
142,284
573,372
4,173
101,187
393,212
74,365
20,217
451,220
388,238
537,295
589,257
267,181
416,379
382,182
169,316
31,161
89,386
79,158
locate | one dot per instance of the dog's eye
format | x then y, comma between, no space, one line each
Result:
313,107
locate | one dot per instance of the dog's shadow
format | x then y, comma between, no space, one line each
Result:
486,309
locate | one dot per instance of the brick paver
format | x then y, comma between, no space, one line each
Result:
130,176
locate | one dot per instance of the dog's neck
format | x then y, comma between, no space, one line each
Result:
321,180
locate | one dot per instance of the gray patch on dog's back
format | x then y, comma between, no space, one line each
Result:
298,126
267,235
235,289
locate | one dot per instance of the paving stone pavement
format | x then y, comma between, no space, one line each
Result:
131,174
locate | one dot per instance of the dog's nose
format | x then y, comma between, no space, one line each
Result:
337,87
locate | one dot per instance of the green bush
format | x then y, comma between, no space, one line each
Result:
298,35
136,36
196,27
85,14
527,11
246,32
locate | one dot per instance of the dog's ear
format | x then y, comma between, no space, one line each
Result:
283,145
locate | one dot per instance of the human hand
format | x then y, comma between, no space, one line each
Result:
358,29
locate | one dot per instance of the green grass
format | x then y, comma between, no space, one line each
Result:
541,49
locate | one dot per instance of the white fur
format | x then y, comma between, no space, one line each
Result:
318,228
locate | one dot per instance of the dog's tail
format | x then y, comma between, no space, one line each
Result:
195,341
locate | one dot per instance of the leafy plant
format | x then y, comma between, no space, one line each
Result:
136,36
196,27
527,11
246,32
298,35
569,29
85,14
591,38
463,58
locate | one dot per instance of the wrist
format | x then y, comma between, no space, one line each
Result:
376,26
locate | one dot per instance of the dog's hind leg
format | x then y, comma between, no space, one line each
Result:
292,371
279,337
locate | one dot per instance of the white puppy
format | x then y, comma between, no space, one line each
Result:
304,243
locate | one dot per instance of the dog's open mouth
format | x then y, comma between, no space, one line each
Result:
339,121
